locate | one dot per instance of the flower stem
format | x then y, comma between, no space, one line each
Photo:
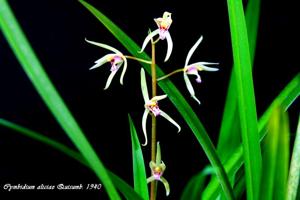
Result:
138,59
170,74
153,128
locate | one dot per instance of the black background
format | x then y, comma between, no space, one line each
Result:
56,30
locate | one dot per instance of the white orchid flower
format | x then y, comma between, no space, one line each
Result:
116,60
157,170
193,69
151,105
163,24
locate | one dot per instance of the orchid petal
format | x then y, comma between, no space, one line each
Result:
166,184
200,66
192,50
144,86
170,46
167,117
144,125
163,166
124,70
101,61
109,79
208,63
195,98
148,38
152,165
105,46
210,69
150,179
160,97
190,87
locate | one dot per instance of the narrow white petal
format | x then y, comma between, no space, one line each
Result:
170,46
144,125
195,98
150,179
201,66
208,63
160,97
210,69
167,117
144,85
188,84
124,70
109,79
105,46
166,184
192,50
148,38
190,87
101,61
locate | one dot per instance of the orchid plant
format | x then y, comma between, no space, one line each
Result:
116,59
254,152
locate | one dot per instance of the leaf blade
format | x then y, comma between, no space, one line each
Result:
275,157
246,100
139,171
229,136
294,173
35,72
286,97
120,184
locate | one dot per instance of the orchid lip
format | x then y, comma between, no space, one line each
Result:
157,176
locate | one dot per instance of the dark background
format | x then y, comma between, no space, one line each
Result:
56,30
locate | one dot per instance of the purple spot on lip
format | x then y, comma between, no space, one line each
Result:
192,70
155,111
114,63
162,33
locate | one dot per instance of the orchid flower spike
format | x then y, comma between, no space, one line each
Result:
192,69
151,105
116,60
163,24
157,170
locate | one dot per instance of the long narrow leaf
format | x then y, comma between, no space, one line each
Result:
193,189
275,157
286,97
246,99
35,72
139,171
175,96
294,173
120,184
229,137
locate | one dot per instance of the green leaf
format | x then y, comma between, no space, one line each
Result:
246,98
175,96
120,184
139,171
229,137
194,187
294,173
275,157
287,96
35,72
